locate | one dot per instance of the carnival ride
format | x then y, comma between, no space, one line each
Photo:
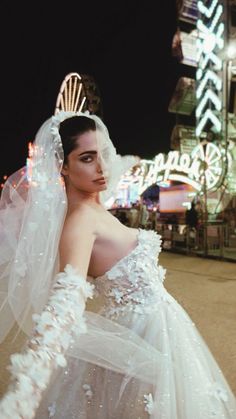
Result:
79,93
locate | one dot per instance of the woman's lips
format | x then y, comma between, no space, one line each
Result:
100,180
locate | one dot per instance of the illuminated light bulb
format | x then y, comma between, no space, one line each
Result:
209,95
208,115
209,43
207,11
209,76
199,74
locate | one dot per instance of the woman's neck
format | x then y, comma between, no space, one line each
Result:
76,198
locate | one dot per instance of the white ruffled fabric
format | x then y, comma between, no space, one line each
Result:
142,356
29,230
60,322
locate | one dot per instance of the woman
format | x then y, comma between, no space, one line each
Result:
134,352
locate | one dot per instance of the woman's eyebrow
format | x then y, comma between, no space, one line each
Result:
88,152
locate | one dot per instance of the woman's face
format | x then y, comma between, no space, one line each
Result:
83,170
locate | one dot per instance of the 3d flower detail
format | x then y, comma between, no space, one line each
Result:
148,400
55,328
88,391
60,117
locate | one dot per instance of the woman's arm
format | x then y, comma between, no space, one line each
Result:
55,328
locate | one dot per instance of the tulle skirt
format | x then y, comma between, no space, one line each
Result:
185,383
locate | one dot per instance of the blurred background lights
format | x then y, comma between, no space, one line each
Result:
231,51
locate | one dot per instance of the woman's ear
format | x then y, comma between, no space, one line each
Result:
64,170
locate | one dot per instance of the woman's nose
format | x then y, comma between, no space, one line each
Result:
99,167
102,166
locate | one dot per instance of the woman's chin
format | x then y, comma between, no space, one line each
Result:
103,187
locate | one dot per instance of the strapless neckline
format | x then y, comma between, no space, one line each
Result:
121,260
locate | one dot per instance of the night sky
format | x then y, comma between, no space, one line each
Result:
123,45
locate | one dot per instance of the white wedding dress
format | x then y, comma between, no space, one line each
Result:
183,382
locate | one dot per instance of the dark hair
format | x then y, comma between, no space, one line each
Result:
71,128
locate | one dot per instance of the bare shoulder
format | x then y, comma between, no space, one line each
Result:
84,218
77,238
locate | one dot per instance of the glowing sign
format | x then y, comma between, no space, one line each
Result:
209,74
203,165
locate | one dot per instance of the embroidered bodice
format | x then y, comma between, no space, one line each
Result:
134,283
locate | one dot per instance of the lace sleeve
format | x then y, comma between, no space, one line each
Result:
57,325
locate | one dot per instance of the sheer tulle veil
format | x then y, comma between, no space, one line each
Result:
32,212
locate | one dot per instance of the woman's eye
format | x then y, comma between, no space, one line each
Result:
87,159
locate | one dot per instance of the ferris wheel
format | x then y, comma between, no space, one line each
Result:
212,162
79,93
71,96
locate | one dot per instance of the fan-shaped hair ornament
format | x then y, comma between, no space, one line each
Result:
72,96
